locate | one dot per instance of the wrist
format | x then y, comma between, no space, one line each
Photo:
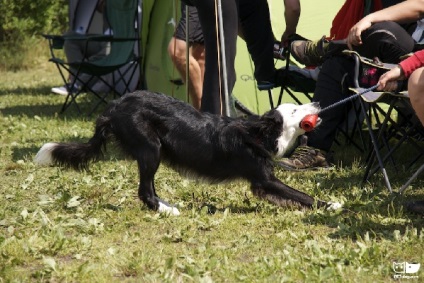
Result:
401,71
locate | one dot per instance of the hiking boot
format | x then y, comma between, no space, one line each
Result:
309,53
314,53
305,158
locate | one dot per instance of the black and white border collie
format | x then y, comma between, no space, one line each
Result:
153,127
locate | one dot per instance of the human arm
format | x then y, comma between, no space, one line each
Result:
407,11
412,63
291,15
402,71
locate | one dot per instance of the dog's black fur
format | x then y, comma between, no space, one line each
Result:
153,127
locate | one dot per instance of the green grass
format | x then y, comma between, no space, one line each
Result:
59,225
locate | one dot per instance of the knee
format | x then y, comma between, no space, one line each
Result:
172,48
177,50
416,87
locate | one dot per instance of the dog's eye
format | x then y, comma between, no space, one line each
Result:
294,111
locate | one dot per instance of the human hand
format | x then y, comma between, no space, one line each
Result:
388,81
285,39
354,36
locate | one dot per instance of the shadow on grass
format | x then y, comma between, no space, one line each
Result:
85,101
374,220
54,110
21,153
41,89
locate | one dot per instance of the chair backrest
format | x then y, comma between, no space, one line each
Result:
121,15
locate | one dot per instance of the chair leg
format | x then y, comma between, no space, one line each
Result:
68,102
375,148
413,177
271,101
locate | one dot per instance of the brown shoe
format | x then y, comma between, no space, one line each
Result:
309,53
305,158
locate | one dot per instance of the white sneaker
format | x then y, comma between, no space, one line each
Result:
62,90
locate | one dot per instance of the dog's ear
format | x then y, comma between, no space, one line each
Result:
271,124
273,117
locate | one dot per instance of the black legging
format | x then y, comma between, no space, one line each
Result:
256,25
388,41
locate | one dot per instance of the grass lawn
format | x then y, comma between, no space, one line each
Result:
59,225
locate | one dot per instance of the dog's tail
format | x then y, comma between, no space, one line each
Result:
76,155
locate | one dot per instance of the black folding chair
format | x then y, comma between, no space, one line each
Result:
391,123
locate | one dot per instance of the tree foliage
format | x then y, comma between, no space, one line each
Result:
22,18
21,24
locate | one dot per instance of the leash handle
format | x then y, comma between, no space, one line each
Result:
349,98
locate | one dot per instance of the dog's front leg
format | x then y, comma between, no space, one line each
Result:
274,191
147,194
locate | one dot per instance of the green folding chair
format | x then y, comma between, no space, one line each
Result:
121,62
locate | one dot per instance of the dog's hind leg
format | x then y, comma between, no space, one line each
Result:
148,163
274,191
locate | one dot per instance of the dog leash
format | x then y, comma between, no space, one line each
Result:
349,98
308,123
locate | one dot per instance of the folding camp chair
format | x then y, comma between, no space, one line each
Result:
395,123
121,62
291,79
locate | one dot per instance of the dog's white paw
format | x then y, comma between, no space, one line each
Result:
44,155
333,205
166,208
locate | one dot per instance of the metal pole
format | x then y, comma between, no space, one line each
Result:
187,54
224,59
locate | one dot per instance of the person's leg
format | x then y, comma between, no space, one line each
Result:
197,70
199,54
177,49
213,99
73,48
386,40
416,92
336,74
79,50
197,45
416,95
333,80
257,32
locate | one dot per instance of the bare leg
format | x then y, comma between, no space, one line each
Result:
416,92
177,51
197,71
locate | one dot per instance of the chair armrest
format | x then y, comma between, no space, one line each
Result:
56,41
403,57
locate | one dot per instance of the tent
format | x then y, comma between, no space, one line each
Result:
158,24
